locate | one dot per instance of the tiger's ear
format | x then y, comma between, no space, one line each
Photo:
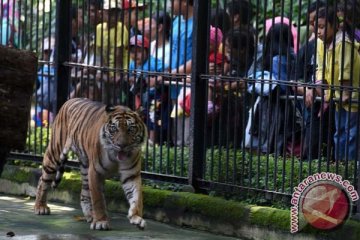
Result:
109,108
141,112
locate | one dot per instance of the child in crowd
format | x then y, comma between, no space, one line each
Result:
239,51
144,85
160,25
338,63
217,58
45,93
215,51
348,15
315,128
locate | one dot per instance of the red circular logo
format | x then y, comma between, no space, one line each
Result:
325,205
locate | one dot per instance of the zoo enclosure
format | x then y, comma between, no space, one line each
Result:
214,156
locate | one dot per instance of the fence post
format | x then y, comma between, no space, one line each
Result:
62,51
198,90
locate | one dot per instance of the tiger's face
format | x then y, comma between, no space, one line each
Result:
124,130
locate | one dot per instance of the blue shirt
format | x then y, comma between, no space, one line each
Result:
262,88
280,67
182,31
45,94
181,47
151,64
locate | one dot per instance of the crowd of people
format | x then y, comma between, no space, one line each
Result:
148,62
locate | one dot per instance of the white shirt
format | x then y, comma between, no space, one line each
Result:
159,53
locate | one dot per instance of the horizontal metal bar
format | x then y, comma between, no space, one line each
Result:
209,185
163,177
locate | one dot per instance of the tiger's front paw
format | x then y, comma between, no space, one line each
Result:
41,210
88,218
138,221
100,225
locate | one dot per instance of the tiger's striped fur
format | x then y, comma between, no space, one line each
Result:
108,141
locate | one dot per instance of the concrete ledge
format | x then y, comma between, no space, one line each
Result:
184,209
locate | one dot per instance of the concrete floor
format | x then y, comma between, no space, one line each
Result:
16,216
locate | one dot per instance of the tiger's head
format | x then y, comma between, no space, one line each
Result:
124,130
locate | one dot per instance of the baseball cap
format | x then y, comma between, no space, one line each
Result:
129,4
139,41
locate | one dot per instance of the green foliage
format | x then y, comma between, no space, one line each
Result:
37,140
166,160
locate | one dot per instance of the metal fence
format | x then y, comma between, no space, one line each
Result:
266,107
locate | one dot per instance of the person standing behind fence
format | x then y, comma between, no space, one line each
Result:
315,130
45,93
143,84
348,15
133,11
338,64
241,14
272,123
87,86
112,39
181,55
239,51
160,24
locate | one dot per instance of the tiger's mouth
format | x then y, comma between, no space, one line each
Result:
124,153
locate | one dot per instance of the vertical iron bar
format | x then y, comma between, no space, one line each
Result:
198,87
62,51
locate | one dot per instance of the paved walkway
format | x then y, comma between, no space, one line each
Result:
16,216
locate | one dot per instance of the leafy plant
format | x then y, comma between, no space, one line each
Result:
247,169
37,140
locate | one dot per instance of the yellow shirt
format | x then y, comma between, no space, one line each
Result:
107,41
338,66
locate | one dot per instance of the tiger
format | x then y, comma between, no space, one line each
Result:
108,141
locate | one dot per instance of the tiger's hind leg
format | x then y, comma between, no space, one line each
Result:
85,198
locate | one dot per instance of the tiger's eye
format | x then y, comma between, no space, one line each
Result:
112,128
131,129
